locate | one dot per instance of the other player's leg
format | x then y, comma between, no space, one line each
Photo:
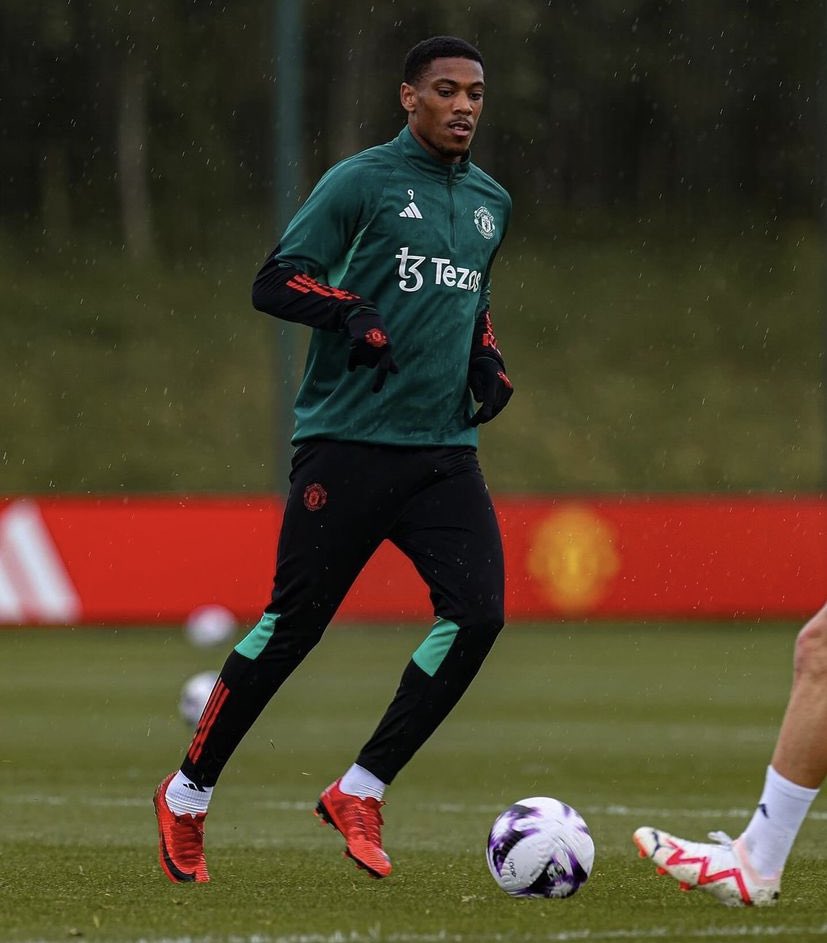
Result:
748,870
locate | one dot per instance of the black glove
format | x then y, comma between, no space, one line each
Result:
370,345
489,386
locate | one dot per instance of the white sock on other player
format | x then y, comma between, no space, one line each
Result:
772,830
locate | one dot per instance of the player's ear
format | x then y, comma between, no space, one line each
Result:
407,95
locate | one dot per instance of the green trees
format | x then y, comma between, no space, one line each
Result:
151,123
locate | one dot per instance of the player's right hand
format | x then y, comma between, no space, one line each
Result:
370,345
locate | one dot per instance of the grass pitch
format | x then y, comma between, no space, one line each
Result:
632,724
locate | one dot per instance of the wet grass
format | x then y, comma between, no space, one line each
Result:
633,724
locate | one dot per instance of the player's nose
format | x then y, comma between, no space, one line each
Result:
462,105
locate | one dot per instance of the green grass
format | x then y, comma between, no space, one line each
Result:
631,723
643,359
655,360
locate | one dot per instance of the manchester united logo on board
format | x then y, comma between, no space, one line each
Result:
574,557
315,497
484,221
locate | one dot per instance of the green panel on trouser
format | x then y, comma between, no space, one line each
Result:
431,653
252,645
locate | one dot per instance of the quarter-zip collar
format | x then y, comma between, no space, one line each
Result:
416,155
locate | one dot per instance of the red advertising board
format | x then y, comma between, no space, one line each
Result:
156,559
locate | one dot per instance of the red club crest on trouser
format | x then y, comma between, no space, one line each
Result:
315,497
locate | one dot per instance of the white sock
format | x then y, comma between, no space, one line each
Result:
358,781
772,830
183,795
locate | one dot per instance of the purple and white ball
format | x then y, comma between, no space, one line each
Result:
540,847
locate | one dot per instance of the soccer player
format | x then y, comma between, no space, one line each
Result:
389,263
748,871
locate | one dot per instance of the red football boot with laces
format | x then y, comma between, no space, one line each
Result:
360,822
180,841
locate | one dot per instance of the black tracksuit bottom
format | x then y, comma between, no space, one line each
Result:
346,498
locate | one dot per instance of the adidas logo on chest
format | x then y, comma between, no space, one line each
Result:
411,211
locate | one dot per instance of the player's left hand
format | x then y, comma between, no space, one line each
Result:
490,386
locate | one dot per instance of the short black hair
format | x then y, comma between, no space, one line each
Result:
437,47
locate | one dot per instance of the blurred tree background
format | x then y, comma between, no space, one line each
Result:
659,298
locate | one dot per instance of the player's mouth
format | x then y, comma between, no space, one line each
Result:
460,129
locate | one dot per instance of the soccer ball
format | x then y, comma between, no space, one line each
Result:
540,847
194,695
210,625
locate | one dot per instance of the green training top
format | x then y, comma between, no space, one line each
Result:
417,237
